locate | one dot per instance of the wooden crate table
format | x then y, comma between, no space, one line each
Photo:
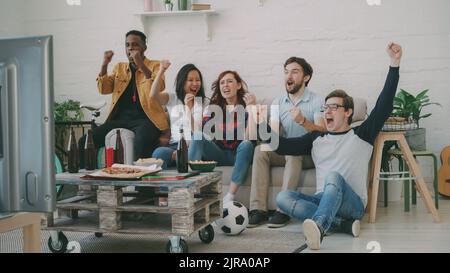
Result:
192,205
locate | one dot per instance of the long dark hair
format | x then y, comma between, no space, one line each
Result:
217,98
182,78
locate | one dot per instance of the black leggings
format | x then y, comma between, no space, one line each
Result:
146,137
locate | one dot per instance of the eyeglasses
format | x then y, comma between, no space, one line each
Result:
331,106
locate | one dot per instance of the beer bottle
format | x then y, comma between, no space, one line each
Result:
72,152
182,154
118,149
89,152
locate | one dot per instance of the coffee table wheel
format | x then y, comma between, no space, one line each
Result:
206,234
60,246
182,247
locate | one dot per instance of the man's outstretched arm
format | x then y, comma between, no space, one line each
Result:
370,128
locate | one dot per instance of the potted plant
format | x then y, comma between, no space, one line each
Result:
168,4
407,114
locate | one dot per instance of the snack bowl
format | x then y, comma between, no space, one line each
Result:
145,162
203,166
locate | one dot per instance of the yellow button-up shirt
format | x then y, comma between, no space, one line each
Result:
117,82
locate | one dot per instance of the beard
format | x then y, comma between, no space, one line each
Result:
295,88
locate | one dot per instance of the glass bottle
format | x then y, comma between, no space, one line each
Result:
72,152
118,149
90,161
182,154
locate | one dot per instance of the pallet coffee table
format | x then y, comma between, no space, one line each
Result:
113,206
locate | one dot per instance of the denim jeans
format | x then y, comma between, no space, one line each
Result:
241,158
337,202
165,153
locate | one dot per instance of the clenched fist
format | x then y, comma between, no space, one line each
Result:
189,100
395,53
165,64
297,115
249,99
107,57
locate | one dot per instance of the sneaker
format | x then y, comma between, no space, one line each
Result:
312,234
278,219
352,227
256,218
228,198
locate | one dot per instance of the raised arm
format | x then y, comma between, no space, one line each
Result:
370,128
155,92
105,83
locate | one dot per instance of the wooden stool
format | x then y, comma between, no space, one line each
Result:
374,174
31,225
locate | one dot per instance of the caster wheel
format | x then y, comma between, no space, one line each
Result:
60,246
206,234
182,248
98,234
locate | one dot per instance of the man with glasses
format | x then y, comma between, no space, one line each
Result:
299,113
341,157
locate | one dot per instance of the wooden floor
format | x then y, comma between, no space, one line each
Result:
393,231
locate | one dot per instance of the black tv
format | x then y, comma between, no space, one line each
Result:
27,172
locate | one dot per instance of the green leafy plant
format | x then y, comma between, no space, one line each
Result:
68,110
167,2
65,111
410,107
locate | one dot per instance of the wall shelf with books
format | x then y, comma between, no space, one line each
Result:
147,16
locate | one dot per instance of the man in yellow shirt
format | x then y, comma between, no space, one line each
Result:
133,105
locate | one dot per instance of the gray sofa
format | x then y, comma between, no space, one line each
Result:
307,183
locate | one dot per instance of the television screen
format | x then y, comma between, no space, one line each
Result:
27,172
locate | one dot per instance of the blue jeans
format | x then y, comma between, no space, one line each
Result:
165,153
241,158
329,208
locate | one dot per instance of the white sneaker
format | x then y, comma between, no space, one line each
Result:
352,227
356,228
312,234
228,198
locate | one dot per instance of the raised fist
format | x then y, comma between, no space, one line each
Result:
165,64
249,98
395,53
107,57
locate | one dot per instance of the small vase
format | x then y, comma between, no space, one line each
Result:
182,4
169,6
148,5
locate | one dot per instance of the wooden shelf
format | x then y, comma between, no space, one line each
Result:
178,13
145,17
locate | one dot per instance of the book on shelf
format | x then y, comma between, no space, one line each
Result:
201,6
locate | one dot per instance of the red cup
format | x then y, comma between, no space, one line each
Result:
109,157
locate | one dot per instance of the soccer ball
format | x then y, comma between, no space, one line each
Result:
235,218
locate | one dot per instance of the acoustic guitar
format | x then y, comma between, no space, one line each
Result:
444,172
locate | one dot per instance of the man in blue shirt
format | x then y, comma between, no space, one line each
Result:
299,113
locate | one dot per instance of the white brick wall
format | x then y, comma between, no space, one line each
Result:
344,42
11,24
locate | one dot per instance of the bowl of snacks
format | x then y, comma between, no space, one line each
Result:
202,166
145,162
